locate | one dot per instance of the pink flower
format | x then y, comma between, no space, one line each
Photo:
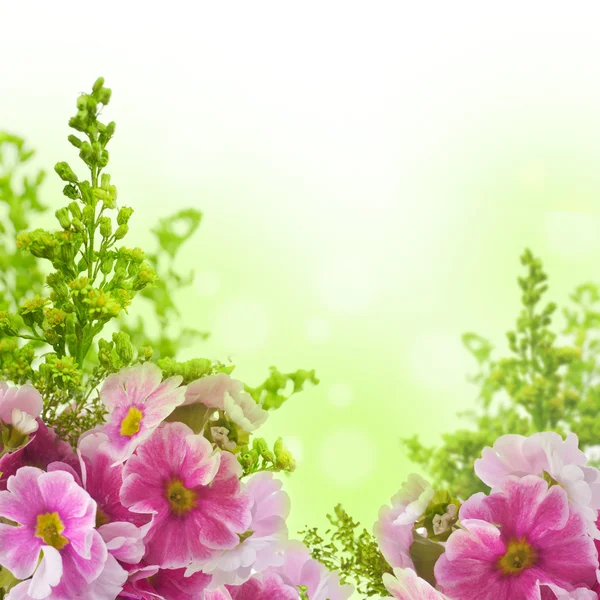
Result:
152,583
43,448
103,480
264,587
56,521
137,401
193,493
546,451
300,569
394,529
267,531
406,585
224,393
514,539
25,399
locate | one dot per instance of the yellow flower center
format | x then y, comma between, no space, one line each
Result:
180,498
519,556
49,528
244,536
130,425
101,518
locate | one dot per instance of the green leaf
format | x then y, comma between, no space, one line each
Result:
173,231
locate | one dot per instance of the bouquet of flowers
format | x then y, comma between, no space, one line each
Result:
125,473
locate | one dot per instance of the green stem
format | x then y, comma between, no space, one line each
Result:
24,336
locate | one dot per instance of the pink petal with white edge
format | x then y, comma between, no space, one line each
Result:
19,550
141,387
406,585
109,583
270,508
136,382
549,591
25,398
47,575
394,527
22,502
211,390
124,541
299,568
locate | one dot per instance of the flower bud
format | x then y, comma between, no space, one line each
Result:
65,172
75,141
248,459
98,85
123,346
105,353
71,192
104,95
82,102
124,215
105,227
62,215
106,264
284,459
85,152
89,215
75,210
79,226
121,232
145,353
92,104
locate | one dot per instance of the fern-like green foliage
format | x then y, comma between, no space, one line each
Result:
351,551
542,385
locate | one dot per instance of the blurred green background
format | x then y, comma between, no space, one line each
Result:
368,176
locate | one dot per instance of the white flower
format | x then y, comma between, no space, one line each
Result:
23,422
244,411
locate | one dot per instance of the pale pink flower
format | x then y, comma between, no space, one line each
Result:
211,390
138,401
222,392
394,528
268,531
25,399
243,410
516,455
23,422
299,568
